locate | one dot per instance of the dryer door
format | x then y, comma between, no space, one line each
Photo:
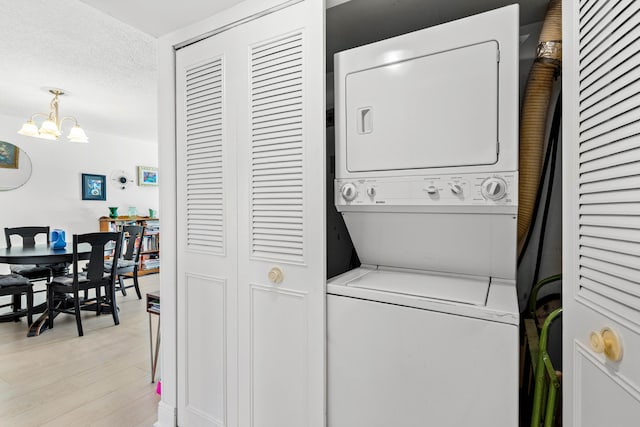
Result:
439,110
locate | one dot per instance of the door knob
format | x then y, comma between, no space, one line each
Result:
275,275
606,341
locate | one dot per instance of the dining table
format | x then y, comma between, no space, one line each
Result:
58,258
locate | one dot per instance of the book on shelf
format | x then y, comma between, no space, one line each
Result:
152,227
150,263
153,303
149,242
117,226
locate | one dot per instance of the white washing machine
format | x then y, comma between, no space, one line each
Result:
425,332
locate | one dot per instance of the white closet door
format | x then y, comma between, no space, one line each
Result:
601,213
206,235
281,225
251,200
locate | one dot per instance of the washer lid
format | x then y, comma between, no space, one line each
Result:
471,290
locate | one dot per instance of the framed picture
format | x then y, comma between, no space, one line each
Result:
94,187
147,175
9,155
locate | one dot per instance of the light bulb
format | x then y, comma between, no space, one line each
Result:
76,134
29,129
49,127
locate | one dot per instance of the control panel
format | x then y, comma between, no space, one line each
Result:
466,189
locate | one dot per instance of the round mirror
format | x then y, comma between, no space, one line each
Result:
15,166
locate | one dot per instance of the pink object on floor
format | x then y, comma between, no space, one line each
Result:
159,388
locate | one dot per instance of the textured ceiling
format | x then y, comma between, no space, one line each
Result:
161,16
109,68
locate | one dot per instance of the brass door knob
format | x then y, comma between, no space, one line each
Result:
596,341
275,275
606,341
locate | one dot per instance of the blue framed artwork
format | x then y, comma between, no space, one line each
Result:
147,175
94,187
9,154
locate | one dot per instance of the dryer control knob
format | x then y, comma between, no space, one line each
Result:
432,189
494,188
455,188
371,191
349,192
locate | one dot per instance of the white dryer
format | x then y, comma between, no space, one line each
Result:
425,332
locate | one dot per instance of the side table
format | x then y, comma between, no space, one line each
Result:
153,308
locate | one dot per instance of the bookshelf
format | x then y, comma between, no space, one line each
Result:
150,251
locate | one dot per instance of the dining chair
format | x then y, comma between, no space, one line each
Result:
94,277
16,285
33,272
130,259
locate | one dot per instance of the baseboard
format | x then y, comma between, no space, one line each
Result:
166,415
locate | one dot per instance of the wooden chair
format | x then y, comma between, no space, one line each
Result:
130,260
16,285
33,272
94,277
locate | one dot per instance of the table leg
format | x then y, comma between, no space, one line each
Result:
151,348
154,353
157,351
41,324
59,269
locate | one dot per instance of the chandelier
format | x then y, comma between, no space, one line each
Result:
52,125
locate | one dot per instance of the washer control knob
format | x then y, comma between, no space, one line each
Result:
349,192
432,189
494,188
371,191
455,188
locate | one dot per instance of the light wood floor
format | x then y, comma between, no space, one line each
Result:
100,379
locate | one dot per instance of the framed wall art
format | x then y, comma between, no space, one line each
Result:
94,187
9,155
147,175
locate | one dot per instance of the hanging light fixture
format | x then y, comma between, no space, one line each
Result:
52,125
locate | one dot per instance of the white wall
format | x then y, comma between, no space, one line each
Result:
12,178
52,196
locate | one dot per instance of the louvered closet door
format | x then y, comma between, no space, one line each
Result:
281,221
206,235
602,213
251,264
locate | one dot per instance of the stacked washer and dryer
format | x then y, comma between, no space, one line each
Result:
425,332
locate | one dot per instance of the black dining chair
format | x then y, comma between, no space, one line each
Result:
94,277
130,260
33,272
16,285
